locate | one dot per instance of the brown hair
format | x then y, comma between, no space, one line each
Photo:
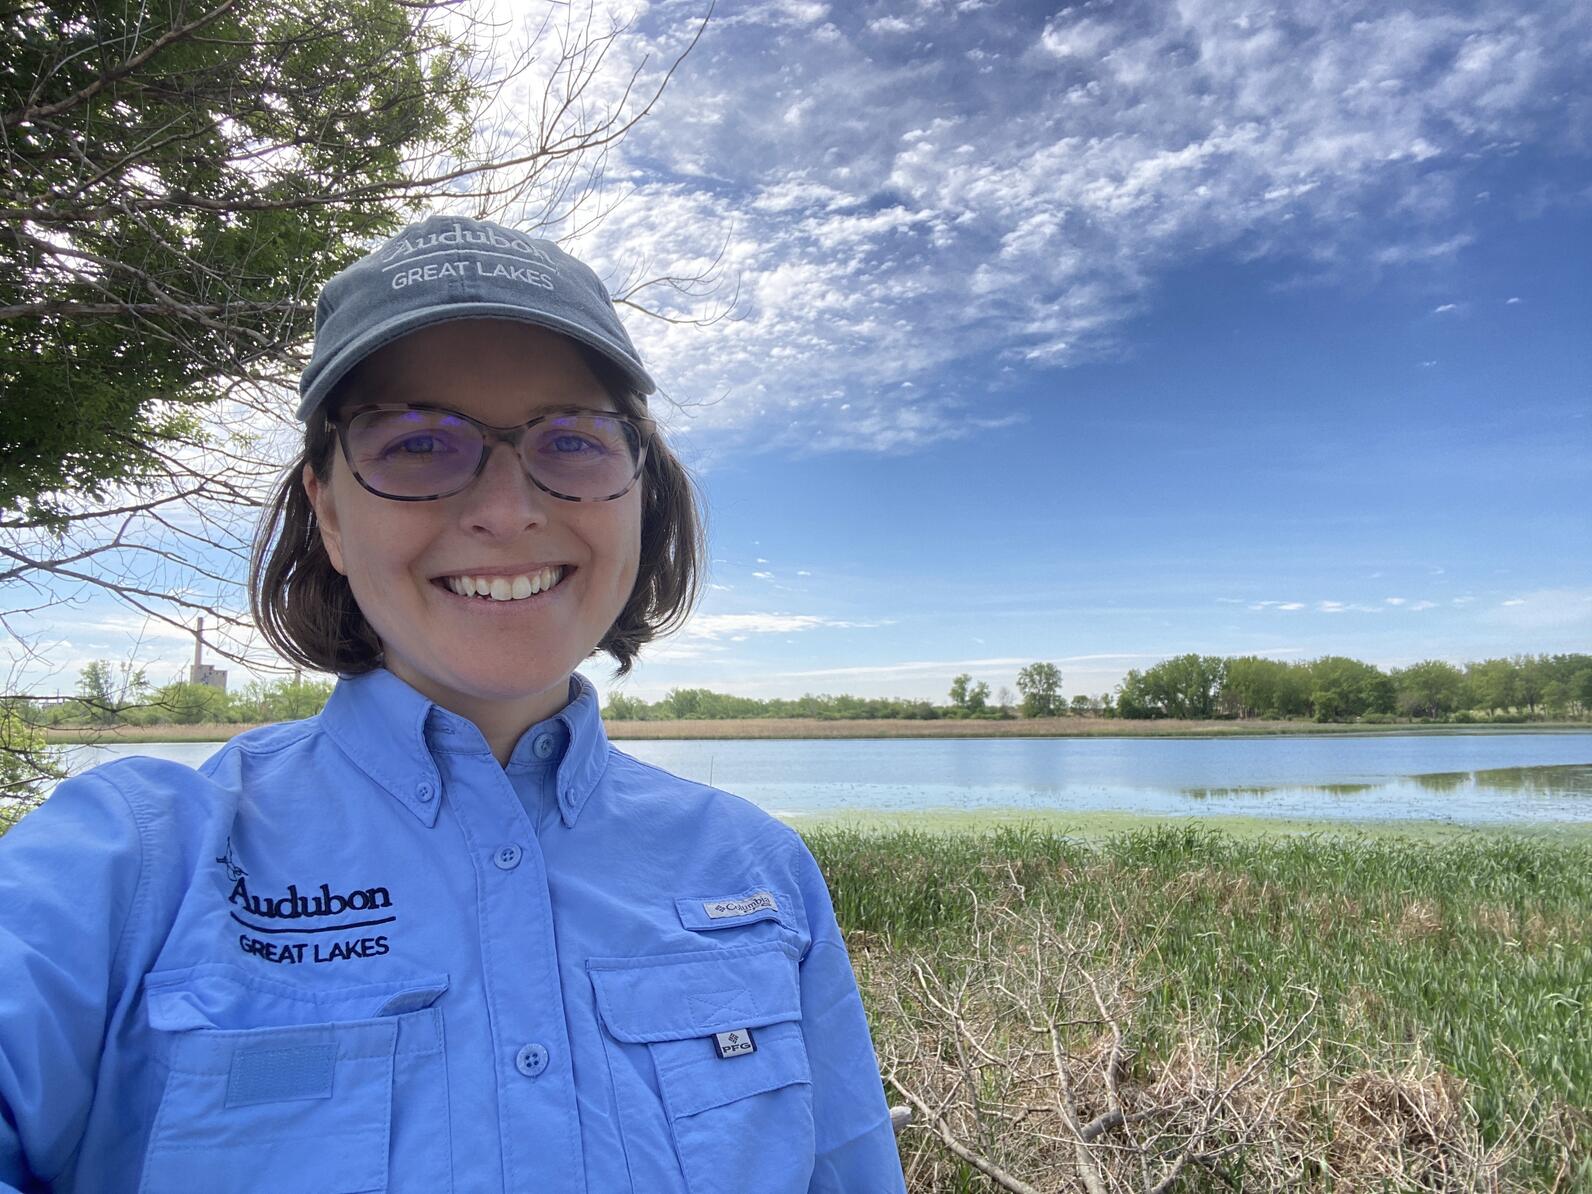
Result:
306,610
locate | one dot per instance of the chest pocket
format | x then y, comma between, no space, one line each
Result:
273,1088
723,1125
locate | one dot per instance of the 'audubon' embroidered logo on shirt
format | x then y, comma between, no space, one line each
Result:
758,901
299,913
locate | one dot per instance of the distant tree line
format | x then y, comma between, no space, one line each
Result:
110,696
1336,688
1332,688
1195,687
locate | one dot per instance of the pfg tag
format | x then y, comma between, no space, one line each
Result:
735,1043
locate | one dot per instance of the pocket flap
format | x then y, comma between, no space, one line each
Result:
696,994
217,995
726,912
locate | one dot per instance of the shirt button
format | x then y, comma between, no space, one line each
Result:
543,746
424,793
531,1060
507,857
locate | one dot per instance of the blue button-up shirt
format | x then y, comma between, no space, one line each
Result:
355,953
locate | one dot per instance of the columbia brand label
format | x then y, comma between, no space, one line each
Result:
735,1043
758,901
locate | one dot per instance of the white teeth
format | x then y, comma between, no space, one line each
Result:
506,588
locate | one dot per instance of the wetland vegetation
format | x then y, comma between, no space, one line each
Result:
1335,1011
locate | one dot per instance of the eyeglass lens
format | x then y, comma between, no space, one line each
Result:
427,453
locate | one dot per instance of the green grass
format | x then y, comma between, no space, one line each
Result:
1474,946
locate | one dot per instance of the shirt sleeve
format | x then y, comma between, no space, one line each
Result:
69,874
855,1144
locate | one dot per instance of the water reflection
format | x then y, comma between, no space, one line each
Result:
1536,781
1494,781
1269,789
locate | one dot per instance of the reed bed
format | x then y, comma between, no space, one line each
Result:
1178,1009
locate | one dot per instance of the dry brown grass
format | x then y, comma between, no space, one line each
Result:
1025,1059
1418,920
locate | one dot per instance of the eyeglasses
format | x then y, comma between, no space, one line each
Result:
421,453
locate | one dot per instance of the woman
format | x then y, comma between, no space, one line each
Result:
442,935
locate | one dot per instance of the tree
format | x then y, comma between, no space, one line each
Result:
96,688
1040,684
625,708
26,763
1431,688
1531,674
1082,706
1493,685
1186,686
977,697
1256,687
1580,687
183,703
959,690
103,691
1556,697
1344,688
179,180
1133,701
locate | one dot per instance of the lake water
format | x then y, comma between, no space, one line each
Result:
1459,778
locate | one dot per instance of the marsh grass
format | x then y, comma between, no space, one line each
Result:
1440,988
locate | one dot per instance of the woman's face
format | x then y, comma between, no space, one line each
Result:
489,660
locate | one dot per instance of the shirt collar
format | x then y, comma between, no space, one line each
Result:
390,731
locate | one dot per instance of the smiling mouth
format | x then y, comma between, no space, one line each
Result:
505,588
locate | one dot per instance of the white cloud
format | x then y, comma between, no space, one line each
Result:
1545,609
1420,605
1509,302
890,25
1446,308
917,215
715,626
1345,607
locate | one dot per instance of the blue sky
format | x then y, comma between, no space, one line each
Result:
1131,330
1103,333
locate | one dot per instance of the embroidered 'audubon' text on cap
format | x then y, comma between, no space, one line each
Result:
453,267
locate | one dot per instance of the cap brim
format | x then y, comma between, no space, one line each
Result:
326,379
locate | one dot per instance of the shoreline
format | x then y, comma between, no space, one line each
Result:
753,729
1097,824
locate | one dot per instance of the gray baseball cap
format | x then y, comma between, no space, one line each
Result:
452,267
